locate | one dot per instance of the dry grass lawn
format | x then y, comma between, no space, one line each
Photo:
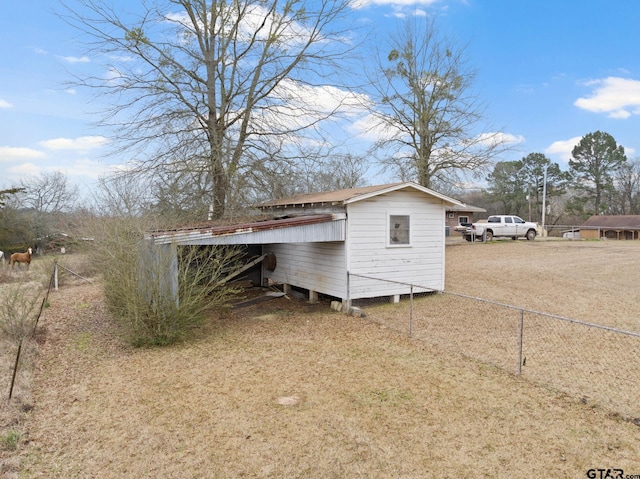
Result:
284,389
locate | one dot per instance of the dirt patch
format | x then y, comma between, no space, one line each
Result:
366,400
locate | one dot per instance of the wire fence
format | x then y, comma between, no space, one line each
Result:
22,342
576,232
24,333
597,364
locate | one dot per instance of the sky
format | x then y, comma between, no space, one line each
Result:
548,73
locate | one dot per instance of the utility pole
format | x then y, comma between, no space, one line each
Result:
544,197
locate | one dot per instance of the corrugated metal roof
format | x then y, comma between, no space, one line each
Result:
257,232
614,221
352,194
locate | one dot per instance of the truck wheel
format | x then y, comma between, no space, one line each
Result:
467,237
488,235
531,235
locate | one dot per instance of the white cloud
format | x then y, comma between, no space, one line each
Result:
5,104
70,91
83,59
370,128
301,105
24,169
563,148
499,138
324,99
82,143
10,153
618,97
88,168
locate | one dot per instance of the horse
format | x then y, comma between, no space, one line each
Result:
21,258
2,257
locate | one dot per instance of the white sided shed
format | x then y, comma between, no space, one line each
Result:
394,235
349,244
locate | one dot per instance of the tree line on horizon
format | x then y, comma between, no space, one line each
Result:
215,105
45,210
600,181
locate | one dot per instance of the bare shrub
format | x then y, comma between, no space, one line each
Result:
17,311
140,292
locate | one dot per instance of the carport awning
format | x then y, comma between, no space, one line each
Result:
300,229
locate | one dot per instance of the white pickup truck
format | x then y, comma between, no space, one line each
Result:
505,226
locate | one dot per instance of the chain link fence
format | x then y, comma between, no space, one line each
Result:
597,364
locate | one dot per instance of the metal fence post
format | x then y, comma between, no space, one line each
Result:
411,312
348,298
15,370
520,342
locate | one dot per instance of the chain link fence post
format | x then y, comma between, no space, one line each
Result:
521,328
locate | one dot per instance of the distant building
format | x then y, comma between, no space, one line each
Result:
620,227
456,215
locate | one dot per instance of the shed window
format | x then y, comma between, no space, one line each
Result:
463,220
399,229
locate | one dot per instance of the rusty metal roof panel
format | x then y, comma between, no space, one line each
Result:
312,228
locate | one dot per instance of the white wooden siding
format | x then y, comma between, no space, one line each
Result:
322,267
369,254
318,267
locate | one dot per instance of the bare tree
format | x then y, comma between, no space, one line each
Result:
625,199
427,113
341,172
214,84
49,192
43,200
123,194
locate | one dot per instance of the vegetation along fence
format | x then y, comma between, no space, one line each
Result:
19,324
19,315
598,364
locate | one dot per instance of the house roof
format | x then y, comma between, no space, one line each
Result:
467,208
306,228
352,195
613,221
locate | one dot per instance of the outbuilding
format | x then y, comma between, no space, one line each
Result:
620,227
374,241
